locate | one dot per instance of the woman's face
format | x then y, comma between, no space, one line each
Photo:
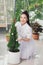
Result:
23,19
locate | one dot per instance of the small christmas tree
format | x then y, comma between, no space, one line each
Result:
13,44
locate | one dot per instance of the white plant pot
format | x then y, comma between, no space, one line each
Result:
13,57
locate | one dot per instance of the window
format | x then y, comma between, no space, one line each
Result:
5,17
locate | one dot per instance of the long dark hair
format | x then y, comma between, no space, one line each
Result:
26,13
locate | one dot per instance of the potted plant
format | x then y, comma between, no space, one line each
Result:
36,29
7,36
13,46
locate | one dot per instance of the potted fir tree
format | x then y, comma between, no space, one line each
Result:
36,29
13,46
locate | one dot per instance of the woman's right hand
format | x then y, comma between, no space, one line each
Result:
19,39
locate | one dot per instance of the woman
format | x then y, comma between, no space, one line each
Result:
25,36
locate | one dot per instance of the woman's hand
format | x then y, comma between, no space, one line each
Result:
23,39
19,39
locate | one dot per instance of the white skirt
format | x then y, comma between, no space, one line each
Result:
27,49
